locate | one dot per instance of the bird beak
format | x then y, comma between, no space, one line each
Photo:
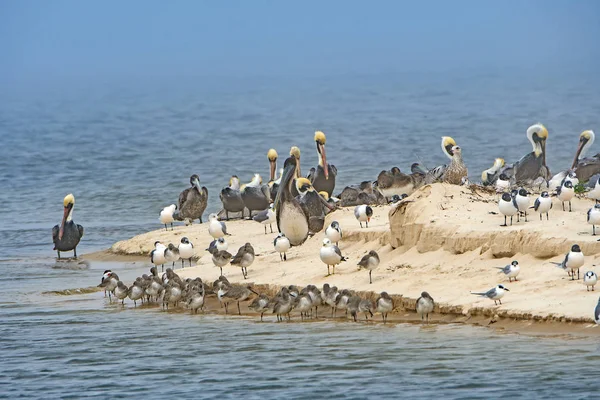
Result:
273,166
197,184
325,203
321,150
66,212
582,143
368,219
506,289
288,174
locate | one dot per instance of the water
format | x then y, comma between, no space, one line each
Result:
127,149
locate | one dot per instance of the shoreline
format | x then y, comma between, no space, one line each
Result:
445,241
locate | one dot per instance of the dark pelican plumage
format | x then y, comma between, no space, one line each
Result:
295,152
273,184
395,182
324,176
533,165
231,197
192,201
586,167
292,216
256,196
315,204
67,235
490,175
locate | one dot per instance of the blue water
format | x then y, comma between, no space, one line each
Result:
127,149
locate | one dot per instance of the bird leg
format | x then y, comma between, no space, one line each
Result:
239,311
593,230
563,204
171,226
190,261
370,280
75,253
525,216
367,224
270,226
570,206
547,217
166,227
328,270
200,219
221,268
505,224
58,254
511,220
261,316
360,222
284,257
265,229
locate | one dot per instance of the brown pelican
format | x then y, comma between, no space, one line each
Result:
273,183
256,196
490,175
192,201
456,172
437,174
585,168
324,176
292,216
394,181
231,197
295,152
67,235
532,165
314,202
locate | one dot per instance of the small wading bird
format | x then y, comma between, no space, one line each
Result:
424,306
67,235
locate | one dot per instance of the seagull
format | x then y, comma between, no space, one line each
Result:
595,192
573,261
266,217
590,279
502,183
166,216
593,217
384,304
522,201
216,229
543,204
511,270
282,245
244,258
334,232
495,294
331,255
363,213
369,261
507,207
186,250
157,256
424,306
566,193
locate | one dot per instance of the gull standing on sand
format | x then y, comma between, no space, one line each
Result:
266,217
593,217
67,235
334,232
522,200
216,229
566,193
217,245
369,261
282,245
543,204
166,216
157,256
331,255
424,306
186,250
573,261
244,258
495,294
384,304
171,254
590,279
502,183
508,207
511,270
363,213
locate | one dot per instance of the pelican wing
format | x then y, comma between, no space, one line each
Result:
55,231
80,229
204,192
183,198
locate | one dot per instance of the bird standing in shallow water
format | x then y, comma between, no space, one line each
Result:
384,304
425,305
67,235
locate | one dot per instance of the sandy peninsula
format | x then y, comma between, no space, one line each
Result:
443,239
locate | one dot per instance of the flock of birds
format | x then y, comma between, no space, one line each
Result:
298,205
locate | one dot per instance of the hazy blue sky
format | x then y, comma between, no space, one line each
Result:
56,39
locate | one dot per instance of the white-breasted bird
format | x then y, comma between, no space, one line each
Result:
522,200
502,183
166,216
565,193
186,250
511,270
334,232
217,245
331,255
543,204
157,256
266,217
216,228
573,261
384,305
495,293
593,217
590,279
424,306
507,207
363,213
595,192
171,254
282,245
369,261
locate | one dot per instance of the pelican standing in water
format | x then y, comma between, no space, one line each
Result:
192,201
256,196
67,235
292,216
231,197
532,165
324,176
585,168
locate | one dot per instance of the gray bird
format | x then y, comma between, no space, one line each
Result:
369,261
244,258
424,306
495,294
384,304
192,201
597,313
260,304
67,235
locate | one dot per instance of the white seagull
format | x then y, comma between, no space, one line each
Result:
363,213
565,193
511,270
186,250
166,216
495,293
334,232
216,229
593,217
331,255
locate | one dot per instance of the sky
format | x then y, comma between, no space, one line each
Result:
64,39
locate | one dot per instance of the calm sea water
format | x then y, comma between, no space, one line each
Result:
126,150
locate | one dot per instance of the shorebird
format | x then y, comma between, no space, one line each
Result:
135,292
196,301
105,275
363,213
171,254
236,293
244,258
522,201
511,270
329,295
331,255
217,245
157,256
334,232
369,261
67,235
324,176
221,258
315,296
495,293
396,183
384,305
192,202
282,304
121,292
292,217
109,283
357,305
172,294
282,245
303,303
186,250
256,196
342,300
260,305
502,183
216,229
166,216
565,193
424,306
490,175
590,279
266,217
593,217
543,204
508,207
573,261
231,197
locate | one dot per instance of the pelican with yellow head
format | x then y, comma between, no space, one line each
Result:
295,152
324,176
490,175
316,205
67,235
586,167
532,165
292,216
453,173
